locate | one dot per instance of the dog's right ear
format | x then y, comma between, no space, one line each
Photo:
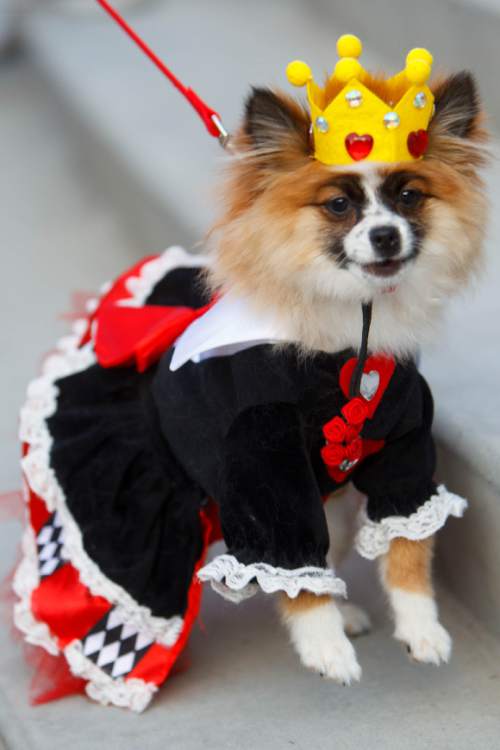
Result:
275,125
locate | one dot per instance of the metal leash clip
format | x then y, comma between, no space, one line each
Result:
224,136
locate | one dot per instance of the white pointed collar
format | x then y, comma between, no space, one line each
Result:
230,326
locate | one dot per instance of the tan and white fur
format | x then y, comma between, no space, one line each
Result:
308,243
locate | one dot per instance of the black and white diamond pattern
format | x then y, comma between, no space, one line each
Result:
114,646
50,546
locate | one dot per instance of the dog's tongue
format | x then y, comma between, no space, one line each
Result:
389,290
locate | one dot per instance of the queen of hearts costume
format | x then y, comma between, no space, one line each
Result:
169,420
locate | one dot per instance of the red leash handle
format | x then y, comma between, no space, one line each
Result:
209,116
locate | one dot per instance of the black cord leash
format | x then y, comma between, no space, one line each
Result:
354,390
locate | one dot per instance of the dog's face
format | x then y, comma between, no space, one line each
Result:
374,222
297,230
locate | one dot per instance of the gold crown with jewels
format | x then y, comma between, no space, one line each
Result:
351,123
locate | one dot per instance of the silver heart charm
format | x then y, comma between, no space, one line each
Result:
370,382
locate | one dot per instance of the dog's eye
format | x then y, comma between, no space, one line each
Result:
409,198
338,206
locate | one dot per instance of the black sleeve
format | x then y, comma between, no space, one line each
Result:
399,479
270,504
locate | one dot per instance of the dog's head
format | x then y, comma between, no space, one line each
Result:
298,232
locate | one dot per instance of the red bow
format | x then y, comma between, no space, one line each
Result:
125,335
139,335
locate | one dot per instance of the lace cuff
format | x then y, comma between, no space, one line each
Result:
374,537
235,581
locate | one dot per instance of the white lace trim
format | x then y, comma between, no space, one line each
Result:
40,404
234,581
373,538
141,286
134,694
26,579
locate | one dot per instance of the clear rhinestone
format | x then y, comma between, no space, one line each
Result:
322,124
346,464
420,100
391,120
354,98
370,382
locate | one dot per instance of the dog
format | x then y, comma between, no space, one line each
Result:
312,242
227,396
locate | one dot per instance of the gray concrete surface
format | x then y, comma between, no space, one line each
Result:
241,688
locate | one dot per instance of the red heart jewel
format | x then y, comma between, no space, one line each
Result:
418,140
358,146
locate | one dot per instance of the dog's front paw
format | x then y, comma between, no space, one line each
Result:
430,643
356,620
319,639
333,659
418,627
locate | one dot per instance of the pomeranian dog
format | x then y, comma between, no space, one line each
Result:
312,242
246,388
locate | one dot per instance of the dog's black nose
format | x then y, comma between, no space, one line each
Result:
386,240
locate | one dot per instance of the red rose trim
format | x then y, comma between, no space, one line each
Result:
354,450
333,454
335,430
343,443
355,411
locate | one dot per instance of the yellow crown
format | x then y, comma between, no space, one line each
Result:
351,123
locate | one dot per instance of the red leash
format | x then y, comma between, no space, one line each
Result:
209,116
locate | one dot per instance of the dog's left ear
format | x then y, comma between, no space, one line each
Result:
457,106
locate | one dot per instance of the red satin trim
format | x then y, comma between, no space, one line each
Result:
66,605
39,515
139,335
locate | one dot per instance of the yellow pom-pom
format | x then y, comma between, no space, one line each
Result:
419,53
418,71
298,73
347,69
349,45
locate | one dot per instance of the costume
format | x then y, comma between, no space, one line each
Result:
168,420
130,467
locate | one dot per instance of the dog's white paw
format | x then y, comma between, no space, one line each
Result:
356,620
418,627
335,660
429,643
319,639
